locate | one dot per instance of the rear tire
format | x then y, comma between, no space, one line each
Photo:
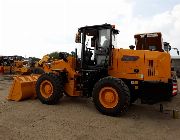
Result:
49,88
111,96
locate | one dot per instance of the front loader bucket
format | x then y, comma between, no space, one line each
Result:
23,87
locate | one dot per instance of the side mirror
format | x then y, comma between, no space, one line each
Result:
169,47
176,50
78,38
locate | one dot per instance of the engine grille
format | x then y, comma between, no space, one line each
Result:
151,69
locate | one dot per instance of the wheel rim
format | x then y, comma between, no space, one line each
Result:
108,97
46,89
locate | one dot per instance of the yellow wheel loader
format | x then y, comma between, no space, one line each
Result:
1,65
20,67
113,77
14,65
41,66
6,63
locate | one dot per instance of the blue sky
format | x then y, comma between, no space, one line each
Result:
38,27
148,8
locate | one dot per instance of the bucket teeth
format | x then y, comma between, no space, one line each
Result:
23,87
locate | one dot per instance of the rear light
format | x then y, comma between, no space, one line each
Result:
175,89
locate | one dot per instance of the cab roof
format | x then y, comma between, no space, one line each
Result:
102,26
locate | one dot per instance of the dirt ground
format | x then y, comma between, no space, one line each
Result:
77,119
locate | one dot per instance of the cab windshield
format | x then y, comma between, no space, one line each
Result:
104,38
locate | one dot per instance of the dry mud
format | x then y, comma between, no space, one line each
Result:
77,119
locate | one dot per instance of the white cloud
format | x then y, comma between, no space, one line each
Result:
167,22
38,27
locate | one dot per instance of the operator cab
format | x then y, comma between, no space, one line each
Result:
96,45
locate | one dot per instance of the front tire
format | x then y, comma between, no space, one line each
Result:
49,88
38,71
111,96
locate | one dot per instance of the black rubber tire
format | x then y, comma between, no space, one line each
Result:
123,93
38,71
56,82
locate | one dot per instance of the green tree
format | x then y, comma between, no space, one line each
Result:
34,59
54,55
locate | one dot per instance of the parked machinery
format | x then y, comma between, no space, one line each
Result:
154,42
1,65
113,77
41,66
7,62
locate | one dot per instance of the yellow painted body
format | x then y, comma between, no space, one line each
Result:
69,67
43,64
21,70
19,67
7,69
160,70
1,69
18,64
44,59
151,65
46,68
23,87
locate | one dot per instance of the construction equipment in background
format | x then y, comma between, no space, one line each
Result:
174,60
21,67
1,69
176,65
113,77
149,41
12,64
41,66
42,61
1,65
7,62
167,47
